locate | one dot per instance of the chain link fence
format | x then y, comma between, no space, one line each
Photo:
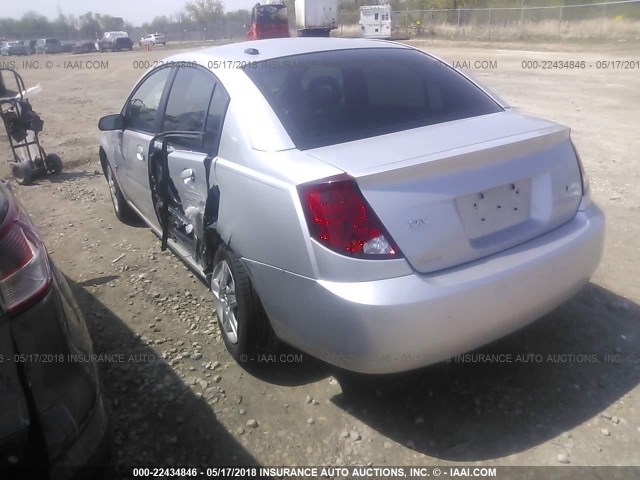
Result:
614,20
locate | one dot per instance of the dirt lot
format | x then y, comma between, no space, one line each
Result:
182,400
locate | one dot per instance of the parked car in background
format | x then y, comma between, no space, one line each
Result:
153,39
67,45
115,41
48,45
358,199
52,412
13,48
85,46
31,46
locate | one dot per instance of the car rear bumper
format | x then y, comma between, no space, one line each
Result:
412,321
91,453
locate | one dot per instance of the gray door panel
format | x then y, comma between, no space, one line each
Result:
136,171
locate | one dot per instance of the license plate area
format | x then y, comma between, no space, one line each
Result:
496,209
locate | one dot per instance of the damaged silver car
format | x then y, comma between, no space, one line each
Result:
360,200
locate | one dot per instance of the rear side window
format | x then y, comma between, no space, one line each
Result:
188,101
215,119
327,98
197,103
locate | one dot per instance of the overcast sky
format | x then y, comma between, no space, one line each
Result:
134,11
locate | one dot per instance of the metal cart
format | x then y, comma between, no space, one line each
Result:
23,125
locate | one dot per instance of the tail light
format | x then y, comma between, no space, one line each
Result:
25,274
339,218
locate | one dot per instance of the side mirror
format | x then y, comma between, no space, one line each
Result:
111,122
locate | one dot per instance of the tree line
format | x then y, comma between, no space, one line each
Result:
198,16
208,19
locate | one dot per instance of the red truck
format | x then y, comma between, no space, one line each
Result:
269,21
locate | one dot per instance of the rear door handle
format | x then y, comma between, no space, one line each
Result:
187,175
140,153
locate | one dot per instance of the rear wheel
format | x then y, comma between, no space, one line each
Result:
22,172
244,324
123,211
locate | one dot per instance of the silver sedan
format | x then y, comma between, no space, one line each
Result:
360,200
153,39
12,48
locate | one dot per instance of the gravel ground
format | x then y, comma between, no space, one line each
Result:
177,398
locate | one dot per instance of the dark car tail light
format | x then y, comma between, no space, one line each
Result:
339,218
25,274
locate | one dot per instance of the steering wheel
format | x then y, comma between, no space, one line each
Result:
136,102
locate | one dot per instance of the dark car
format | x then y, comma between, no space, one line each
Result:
67,45
115,41
48,45
85,46
31,46
51,409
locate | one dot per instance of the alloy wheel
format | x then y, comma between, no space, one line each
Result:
113,190
224,298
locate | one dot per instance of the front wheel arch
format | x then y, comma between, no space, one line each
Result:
104,162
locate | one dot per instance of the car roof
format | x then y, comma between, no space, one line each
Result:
284,47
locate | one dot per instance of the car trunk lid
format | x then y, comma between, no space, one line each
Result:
458,191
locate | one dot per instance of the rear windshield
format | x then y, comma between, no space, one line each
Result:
52,41
272,15
327,98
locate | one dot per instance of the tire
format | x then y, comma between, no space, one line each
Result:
53,163
120,206
22,172
244,325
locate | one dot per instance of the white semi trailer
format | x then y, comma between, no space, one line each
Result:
316,18
376,21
